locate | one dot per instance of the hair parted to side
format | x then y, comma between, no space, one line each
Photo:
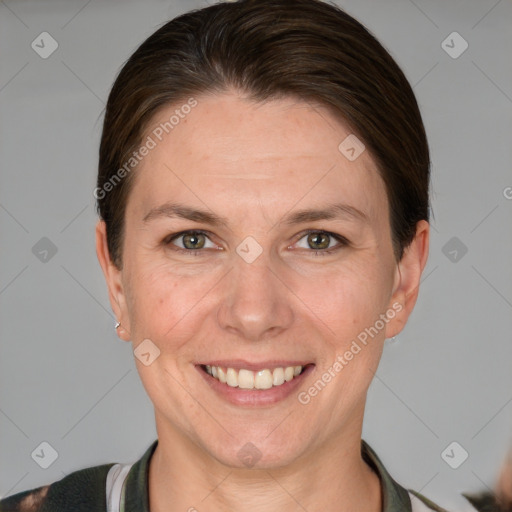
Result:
271,49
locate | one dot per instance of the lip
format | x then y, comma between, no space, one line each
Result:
254,397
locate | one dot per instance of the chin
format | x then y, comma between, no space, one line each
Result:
258,451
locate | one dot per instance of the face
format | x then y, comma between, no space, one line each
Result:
258,262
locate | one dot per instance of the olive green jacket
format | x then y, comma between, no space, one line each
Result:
124,488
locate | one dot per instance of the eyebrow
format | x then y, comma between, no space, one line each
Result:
333,211
174,210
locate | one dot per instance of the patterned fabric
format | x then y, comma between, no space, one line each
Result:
86,490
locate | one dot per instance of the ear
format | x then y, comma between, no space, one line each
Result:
407,279
113,277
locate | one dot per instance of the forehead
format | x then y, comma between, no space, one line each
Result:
275,154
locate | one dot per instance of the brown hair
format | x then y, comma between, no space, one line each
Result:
271,49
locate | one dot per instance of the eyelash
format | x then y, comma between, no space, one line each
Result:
342,241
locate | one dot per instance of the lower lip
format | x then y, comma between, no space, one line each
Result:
255,397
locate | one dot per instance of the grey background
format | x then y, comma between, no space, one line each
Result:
65,377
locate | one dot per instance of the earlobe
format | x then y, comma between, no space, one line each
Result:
121,332
407,278
114,282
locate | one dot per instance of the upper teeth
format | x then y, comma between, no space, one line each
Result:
247,379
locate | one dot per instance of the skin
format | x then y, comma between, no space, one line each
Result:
254,164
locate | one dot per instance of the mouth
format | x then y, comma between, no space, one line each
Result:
244,378
249,384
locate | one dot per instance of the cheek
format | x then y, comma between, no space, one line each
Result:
164,304
349,304
350,299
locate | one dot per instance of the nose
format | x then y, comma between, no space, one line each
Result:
255,304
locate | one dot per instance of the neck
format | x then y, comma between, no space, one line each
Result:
182,477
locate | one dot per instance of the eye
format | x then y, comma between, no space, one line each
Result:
322,242
190,241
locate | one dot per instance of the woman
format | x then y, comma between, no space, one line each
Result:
263,198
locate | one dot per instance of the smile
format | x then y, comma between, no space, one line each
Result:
248,379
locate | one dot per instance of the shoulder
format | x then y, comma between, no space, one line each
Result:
80,491
396,498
